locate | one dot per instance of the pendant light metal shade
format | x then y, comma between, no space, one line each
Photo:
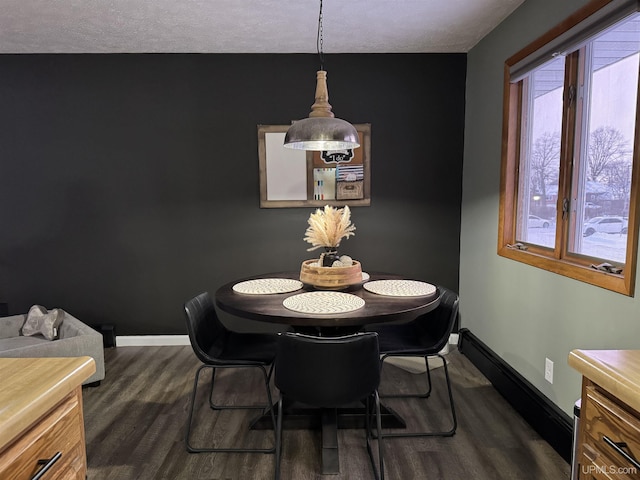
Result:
321,131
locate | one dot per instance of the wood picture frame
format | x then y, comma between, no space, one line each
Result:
297,178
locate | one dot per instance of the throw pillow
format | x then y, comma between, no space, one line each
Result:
40,321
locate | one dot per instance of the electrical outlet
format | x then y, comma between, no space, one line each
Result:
548,370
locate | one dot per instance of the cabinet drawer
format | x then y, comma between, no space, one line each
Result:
61,430
602,467
611,432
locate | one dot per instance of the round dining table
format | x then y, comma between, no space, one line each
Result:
376,309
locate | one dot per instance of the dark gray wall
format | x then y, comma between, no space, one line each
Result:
129,183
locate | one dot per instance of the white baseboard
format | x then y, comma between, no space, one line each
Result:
169,340
151,340
416,365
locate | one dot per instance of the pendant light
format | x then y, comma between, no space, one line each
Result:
321,131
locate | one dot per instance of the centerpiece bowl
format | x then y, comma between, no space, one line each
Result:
330,278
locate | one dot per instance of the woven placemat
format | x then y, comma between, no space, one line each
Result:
267,286
400,288
323,302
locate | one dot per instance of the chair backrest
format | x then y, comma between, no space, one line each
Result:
206,333
435,327
327,371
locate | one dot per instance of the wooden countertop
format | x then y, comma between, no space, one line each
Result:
30,387
617,371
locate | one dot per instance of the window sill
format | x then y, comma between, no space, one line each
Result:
609,281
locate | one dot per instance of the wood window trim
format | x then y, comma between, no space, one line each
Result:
558,260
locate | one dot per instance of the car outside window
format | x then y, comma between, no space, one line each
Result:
569,160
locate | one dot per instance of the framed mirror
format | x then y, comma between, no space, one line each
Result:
297,178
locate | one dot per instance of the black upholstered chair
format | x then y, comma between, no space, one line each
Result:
218,347
424,337
329,372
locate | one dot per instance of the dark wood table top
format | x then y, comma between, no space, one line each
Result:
377,308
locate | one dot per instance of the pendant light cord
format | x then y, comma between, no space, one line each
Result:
319,39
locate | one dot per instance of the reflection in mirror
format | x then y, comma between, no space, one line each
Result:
290,181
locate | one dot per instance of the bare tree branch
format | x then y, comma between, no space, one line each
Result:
545,161
606,145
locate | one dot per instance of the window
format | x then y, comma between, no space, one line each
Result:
570,163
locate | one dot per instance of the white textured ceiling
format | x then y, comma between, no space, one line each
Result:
246,26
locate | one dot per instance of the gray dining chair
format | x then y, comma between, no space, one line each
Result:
329,372
220,348
423,337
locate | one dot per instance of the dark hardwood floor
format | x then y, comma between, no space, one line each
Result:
135,424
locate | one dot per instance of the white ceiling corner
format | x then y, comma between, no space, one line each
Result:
246,26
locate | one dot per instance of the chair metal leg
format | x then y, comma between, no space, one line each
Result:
278,440
378,472
410,395
191,407
454,420
191,449
234,407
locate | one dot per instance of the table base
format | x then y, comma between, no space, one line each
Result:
329,420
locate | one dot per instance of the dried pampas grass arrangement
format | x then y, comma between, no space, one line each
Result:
328,227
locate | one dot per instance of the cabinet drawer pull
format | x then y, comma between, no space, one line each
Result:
46,463
618,447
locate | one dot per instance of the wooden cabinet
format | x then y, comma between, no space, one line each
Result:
41,421
609,436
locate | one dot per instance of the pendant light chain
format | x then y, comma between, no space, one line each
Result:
320,39
321,130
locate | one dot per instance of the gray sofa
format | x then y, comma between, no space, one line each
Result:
75,340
